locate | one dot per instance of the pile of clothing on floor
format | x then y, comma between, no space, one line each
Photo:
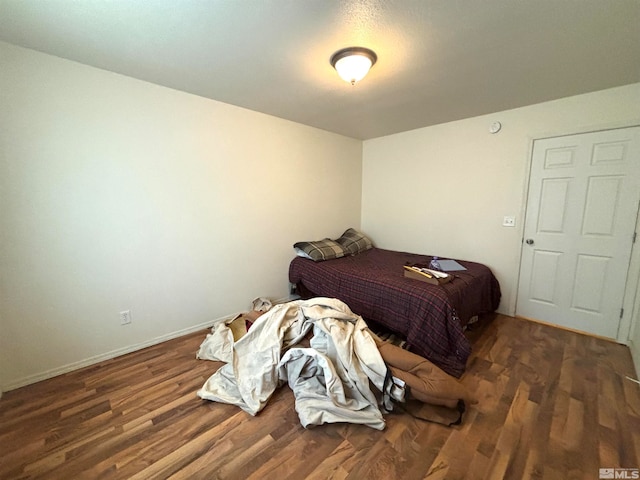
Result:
342,373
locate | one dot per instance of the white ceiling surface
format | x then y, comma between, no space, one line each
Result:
438,60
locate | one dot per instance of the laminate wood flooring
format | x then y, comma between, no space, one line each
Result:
551,404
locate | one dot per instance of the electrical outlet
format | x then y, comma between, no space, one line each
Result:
125,317
509,222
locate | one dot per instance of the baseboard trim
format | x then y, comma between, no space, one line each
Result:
70,367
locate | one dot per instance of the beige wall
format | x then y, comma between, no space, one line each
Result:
634,343
118,194
444,190
632,305
634,336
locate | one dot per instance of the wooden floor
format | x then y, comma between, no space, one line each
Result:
552,404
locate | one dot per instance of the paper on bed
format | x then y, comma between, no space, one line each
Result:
450,266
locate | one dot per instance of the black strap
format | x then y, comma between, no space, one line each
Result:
387,399
460,407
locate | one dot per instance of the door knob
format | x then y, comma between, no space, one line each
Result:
529,241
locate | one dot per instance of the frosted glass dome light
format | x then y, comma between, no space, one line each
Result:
353,63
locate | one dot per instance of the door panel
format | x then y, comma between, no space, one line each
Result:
544,275
587,296
581,211
601,205
553,205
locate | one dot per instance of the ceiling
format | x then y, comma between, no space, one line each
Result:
438,60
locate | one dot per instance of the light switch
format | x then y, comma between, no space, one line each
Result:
509,222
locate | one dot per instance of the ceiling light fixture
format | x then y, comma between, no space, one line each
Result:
353,63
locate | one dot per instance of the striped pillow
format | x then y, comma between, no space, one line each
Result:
321,250
354,242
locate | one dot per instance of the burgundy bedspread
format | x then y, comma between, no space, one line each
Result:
431,317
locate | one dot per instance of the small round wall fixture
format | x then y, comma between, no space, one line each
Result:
353,63
495,127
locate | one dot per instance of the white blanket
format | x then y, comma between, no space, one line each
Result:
330,380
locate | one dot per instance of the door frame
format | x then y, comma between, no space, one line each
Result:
629,305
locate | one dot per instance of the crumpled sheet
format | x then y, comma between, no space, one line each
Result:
218,345
330,380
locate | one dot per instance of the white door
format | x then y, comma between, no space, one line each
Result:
579,229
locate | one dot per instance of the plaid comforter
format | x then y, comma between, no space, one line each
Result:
431,317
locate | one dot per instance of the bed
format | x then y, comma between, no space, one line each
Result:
432,318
